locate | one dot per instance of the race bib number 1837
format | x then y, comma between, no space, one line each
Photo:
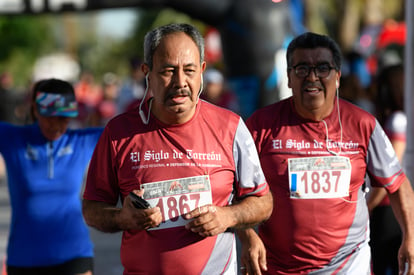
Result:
319,177
177,197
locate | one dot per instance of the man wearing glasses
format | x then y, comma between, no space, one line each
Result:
316,151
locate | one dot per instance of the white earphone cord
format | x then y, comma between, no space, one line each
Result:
144,119
340,126
365,189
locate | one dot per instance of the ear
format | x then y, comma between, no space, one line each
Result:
203,66
34,111
338,78
145,68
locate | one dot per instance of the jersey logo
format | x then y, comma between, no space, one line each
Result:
175,185
31,153
68,150
319,161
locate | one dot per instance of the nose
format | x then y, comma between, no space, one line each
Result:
180,79
61,121
312,73
60,118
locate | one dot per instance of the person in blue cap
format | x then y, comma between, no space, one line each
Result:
45,164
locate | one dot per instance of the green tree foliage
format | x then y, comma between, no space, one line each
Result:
109,55
145,20
23,39
149,19
27,37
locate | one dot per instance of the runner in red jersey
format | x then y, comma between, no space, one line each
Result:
193,162
316,151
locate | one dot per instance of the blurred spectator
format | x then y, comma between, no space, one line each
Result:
106,108
10,100
87,91
390,32
9,108
132,89
355,81
88,94
390,83
216,91
386,235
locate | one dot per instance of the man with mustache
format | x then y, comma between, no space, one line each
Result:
196,200
316,151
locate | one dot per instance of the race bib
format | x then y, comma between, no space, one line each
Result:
177,197
319,177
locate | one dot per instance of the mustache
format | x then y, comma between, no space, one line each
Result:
180,92
312,85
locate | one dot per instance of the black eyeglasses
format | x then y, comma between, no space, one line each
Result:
321,70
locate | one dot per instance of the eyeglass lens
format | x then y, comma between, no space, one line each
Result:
321,70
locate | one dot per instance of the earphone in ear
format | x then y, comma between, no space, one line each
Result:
337,84
201,85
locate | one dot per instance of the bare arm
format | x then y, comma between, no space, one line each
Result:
252,210
109,218
253,253
402,202
212,220
399,148
376,195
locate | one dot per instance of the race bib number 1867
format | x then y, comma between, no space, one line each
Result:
319,177
177,197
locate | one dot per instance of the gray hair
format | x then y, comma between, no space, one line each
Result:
153,39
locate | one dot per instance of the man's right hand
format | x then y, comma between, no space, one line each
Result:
132,218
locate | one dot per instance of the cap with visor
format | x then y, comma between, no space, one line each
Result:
60,101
